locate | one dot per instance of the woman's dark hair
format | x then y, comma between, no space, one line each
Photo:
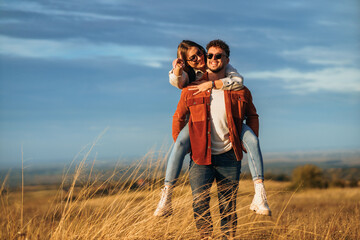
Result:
181,53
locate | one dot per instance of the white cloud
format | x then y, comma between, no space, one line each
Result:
321,56
336,79
35,7
83,49
340,70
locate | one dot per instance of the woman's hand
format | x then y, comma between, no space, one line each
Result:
201,86
178,65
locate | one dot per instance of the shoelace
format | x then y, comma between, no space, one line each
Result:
262,194
163,197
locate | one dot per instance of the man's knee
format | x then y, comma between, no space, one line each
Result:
201,201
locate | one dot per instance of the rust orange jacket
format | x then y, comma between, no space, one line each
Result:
239,107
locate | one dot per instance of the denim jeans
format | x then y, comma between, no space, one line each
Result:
225,170
176,158
254,156
182,146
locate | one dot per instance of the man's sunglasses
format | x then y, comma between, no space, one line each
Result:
194,57
216,56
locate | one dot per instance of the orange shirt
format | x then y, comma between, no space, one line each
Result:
239,107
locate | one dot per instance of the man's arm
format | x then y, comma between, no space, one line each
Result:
252,118
179,118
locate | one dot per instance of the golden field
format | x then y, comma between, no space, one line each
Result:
85,207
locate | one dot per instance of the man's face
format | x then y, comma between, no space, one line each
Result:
195,58
216,59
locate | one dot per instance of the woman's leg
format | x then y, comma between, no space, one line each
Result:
256,166
176,158
252,145
173,168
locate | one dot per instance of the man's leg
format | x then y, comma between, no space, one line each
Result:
227,174
201,178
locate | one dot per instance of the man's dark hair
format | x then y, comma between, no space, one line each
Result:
220,44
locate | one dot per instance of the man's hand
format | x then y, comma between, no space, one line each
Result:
201,86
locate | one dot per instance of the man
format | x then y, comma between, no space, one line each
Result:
215,124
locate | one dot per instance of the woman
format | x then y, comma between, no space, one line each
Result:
189,66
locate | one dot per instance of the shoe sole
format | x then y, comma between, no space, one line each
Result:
260,212
163,215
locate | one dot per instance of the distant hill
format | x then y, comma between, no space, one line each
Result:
274,163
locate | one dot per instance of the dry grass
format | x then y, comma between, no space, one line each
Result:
124,212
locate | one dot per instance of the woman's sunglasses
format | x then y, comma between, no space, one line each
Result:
194,57
216,56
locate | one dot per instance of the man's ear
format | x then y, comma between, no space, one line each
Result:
228,60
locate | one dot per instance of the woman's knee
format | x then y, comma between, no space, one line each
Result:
182,143
251,139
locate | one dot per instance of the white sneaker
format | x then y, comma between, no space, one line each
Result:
259,203
164,207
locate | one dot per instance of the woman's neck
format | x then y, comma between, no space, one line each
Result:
202,69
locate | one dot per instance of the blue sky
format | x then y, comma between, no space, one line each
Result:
71,69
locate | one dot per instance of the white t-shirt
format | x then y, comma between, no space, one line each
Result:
220,142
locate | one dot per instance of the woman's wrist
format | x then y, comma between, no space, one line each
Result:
177,71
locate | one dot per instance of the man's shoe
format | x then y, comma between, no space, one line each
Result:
164,207
259,203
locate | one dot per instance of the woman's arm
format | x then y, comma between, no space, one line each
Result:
178,81
177,76
232,81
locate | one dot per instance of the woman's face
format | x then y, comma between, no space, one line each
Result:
195,58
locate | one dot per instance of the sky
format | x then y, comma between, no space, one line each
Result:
71,71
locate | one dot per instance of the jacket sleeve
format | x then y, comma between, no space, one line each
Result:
178,81
233,80
252,118
180,115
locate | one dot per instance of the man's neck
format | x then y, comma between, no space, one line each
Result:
215,76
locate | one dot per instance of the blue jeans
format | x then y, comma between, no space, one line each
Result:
252,146
176,158
225,170
182,146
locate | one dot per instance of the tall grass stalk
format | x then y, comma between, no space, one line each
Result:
120,205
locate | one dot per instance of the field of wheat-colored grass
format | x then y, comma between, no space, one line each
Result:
87,206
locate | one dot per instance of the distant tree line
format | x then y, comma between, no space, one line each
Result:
311,176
